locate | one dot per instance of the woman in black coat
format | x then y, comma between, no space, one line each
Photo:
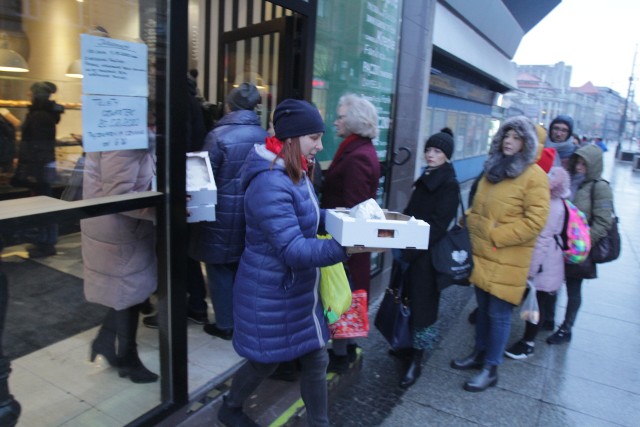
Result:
435,200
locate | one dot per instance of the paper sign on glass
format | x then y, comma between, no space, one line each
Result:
113,67
114,123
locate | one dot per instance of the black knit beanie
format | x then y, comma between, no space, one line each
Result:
244,97
294,117
43,90
442,141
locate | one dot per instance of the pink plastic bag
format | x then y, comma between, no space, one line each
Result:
355,322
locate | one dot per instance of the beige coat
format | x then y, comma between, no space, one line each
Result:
118,250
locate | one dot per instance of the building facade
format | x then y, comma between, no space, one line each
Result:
544,91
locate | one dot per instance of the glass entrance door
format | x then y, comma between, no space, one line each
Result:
262,54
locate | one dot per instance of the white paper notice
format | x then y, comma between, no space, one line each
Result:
114,123
113,67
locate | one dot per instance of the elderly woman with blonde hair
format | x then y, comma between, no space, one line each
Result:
351,179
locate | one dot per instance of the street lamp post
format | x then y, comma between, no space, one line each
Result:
630,91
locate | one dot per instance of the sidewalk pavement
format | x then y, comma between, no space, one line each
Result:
592,381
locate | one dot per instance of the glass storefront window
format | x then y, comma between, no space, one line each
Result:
84,117
356,52
471,131
356,48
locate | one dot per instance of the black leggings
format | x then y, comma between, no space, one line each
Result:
574,300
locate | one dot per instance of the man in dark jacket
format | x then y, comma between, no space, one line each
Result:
37,157
220,243
560,138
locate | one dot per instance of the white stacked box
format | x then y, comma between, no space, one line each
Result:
202,193
396,231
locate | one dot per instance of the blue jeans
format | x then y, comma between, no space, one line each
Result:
220,280
493,325
313,384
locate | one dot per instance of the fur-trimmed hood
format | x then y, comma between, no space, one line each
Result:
523,126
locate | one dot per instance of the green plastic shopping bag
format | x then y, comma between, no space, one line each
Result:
335,291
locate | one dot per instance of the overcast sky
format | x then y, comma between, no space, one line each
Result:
597,38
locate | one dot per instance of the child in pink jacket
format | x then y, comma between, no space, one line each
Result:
547,263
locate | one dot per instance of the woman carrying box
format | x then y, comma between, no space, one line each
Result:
278,314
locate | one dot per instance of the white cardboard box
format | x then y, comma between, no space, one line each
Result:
395,231
201,213
202,193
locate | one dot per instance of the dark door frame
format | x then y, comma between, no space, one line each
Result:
294,66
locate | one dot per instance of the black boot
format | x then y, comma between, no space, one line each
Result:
338,363
133,368
403,354
130,364
9,412
9,407
485,379
473,361
105,342
414,370
234,417
41,251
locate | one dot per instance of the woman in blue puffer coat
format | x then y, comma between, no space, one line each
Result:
278,313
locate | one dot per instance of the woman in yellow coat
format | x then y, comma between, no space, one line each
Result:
509,209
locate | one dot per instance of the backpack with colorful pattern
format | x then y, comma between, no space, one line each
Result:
576,237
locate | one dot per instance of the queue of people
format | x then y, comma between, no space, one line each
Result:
513,222
263,256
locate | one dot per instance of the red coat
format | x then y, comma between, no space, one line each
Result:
353,178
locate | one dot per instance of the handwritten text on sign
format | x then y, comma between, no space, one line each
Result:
114,123
113,67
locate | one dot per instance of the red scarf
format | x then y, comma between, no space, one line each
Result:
274,145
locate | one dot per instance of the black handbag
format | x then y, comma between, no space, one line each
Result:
607,248
451,256
393,319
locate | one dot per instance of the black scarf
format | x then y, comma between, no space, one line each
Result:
498,171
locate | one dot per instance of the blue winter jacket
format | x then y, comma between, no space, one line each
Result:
276,302
228,144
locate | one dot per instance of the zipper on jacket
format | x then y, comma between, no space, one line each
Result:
286,283
316,321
